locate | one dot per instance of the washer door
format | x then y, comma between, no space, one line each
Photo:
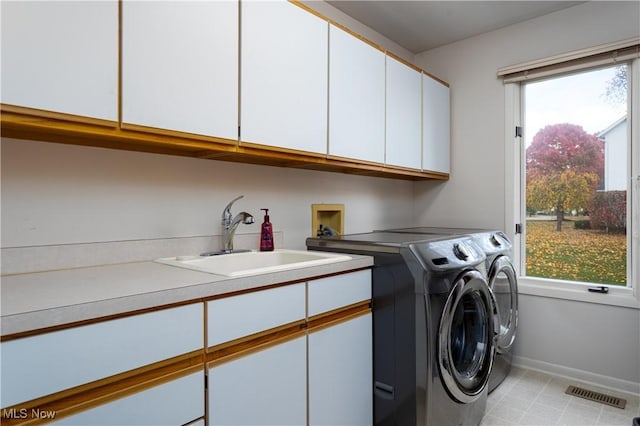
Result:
466,337
504,285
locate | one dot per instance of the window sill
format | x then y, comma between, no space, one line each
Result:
617,296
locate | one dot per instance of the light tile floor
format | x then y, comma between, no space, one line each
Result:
529,397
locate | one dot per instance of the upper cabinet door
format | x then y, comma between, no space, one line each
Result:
61,57
403,141
356,98
284,76
180,66
435,125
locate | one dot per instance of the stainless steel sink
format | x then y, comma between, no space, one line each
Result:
254,262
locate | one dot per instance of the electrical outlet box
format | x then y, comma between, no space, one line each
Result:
331,215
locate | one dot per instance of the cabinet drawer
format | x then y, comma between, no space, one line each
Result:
268,387
239,316
335,292
156,406
40,365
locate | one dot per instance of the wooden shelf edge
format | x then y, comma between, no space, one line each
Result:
21,125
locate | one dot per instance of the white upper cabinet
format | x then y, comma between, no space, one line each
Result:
356,98
435,125
61,57
180,66
283,76
403,132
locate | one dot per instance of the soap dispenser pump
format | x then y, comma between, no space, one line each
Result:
266,236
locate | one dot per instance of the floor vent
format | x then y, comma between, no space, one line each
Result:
596,396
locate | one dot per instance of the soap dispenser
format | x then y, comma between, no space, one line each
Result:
266,236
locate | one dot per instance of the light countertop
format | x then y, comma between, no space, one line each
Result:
46,299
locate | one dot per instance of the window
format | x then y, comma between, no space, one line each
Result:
575,168
576,183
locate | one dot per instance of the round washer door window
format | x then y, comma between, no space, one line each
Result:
466,337
504,285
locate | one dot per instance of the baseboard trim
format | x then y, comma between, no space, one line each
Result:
587,377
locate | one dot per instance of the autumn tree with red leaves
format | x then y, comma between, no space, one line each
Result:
564,167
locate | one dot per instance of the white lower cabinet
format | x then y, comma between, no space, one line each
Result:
340,374
327,294
323,377
238,316
44,364
292,354
268,387
174,403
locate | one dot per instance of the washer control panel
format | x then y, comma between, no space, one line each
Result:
454,253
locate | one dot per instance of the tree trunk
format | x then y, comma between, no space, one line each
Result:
559,218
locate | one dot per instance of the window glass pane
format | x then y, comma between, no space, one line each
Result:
576,135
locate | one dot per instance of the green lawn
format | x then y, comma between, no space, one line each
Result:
576,255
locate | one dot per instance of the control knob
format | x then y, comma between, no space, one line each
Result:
460,251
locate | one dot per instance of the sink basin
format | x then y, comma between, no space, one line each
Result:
254,262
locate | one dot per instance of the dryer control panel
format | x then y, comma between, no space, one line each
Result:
449,254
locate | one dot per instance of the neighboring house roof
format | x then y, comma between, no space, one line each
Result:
601,134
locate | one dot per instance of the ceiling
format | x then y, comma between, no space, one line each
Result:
422,25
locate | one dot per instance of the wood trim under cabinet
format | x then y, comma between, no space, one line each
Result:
53,115
255,145
176,134
337,316
21,123
238,348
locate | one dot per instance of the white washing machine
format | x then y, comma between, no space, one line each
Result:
502,280
434,326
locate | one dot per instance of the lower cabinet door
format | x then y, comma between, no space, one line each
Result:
268,387
172,404
340,374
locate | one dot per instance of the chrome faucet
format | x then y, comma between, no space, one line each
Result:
230,223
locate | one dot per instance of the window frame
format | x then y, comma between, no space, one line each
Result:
628,296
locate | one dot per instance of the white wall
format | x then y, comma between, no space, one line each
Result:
600,342
61,194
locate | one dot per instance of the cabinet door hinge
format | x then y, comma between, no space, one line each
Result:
518,131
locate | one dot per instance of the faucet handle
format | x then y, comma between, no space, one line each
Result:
226,213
